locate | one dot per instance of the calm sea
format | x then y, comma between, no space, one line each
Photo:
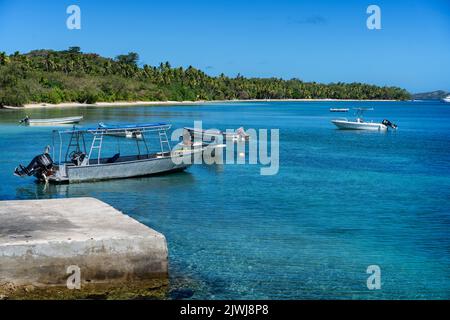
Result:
342,200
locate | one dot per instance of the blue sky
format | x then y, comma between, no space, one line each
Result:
321,40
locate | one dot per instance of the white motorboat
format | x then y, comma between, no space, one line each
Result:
360,124
339,109
446,99
51,121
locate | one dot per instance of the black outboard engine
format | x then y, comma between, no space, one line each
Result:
25,120
39,166
386,122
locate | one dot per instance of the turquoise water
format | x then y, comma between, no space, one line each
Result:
342,200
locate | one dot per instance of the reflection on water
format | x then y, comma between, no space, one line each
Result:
158,183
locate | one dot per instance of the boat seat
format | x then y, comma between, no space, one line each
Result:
113,158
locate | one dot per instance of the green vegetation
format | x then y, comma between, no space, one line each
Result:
47,76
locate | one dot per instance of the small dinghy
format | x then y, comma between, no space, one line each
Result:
237,135
51,121
360,124
209,140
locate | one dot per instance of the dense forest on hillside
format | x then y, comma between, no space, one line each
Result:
72,76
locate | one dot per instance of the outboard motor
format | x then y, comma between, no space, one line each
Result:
39,166
24,120
386,122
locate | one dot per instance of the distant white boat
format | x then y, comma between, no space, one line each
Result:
446,99
360,124
339,109
51,121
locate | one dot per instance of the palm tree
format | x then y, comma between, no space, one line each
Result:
4,59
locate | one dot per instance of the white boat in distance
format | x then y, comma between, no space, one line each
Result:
360,124
51,121
446,99
339,109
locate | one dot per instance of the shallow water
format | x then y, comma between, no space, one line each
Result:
342,200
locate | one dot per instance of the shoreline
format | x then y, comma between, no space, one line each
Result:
172,103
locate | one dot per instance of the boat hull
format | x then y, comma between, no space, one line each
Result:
351,125
120,170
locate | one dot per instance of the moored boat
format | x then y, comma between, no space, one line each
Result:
212,135
339,109
360,124
51,121
79,163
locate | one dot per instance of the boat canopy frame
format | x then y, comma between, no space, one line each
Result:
77,140
360,112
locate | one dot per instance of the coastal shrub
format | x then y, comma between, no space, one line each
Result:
15,96
87,96
55,96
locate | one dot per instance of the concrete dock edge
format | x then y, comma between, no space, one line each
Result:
77,248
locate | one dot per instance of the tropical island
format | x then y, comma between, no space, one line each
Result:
49,76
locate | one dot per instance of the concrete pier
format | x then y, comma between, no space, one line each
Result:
42,242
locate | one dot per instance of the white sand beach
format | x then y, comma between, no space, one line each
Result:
166,103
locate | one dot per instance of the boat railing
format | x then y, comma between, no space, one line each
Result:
78,144
119,128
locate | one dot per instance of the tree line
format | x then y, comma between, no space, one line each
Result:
48,76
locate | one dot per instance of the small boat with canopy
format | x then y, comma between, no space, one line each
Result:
84,159
360,124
